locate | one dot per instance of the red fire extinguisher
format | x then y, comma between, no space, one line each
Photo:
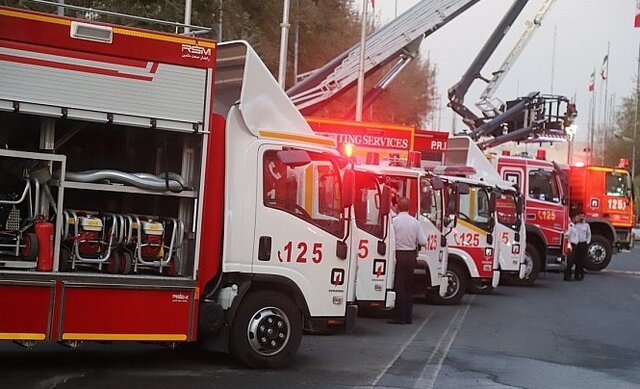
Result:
44,233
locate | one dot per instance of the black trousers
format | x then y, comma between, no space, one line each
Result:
580,258
571,260
403,284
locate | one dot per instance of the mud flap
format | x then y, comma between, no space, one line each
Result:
523,271
390,301
495,279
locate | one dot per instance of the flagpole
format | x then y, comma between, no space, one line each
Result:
363,36
635,120
606,92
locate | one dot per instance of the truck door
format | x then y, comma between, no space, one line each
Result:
370,241
509,226
545,207
431,219
300,226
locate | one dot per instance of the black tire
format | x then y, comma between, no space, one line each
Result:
65,256
474,288
30,250
458,280
274,316
534,265
599,253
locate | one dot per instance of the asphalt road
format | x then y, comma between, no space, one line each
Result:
555,334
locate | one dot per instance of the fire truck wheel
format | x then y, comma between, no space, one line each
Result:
457,278
533,265
599,253
65,259
29,251
267,330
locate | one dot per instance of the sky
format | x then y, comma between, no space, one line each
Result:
583,29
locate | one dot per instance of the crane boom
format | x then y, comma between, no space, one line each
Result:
389,43
485,104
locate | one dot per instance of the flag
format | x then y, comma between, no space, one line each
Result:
603,68
592,81
637,21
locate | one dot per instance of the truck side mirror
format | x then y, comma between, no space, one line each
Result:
341,249
436,183
293,158
520,204
492,202
348,188
382,247
451,221
385,201
463,188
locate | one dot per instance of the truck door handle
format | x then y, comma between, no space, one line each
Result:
531,217
264,248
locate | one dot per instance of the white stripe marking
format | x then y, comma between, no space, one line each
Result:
625,272
404,346
439,354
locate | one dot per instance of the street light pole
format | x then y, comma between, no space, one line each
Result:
363,37
284,43
635,120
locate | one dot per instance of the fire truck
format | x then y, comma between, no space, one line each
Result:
496,202
167,185
605,195
384,150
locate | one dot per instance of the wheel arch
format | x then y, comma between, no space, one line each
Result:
536,238
604,228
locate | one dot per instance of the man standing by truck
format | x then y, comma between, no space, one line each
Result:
584,239
409,237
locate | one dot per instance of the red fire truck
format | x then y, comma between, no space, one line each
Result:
175,191
605,195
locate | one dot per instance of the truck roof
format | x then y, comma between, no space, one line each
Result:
92,37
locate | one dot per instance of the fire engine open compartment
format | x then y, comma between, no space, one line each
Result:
128,196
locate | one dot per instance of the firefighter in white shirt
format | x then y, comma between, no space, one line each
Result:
572,236
583,232
409,236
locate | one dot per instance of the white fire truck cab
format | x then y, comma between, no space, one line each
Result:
426,203
187,197
509,231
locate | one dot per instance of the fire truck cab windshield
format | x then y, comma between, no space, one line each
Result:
543,185
367,205
507,209
430,202
618,184
310,191
475,208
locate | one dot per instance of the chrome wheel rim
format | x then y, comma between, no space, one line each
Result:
597,253
528,265
453,284
268,331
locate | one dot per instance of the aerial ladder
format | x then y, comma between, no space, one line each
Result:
485,104
535,117
397,42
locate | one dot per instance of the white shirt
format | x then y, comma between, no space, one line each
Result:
408,232
572,234
583,231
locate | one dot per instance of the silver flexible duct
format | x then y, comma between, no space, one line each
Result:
141,180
